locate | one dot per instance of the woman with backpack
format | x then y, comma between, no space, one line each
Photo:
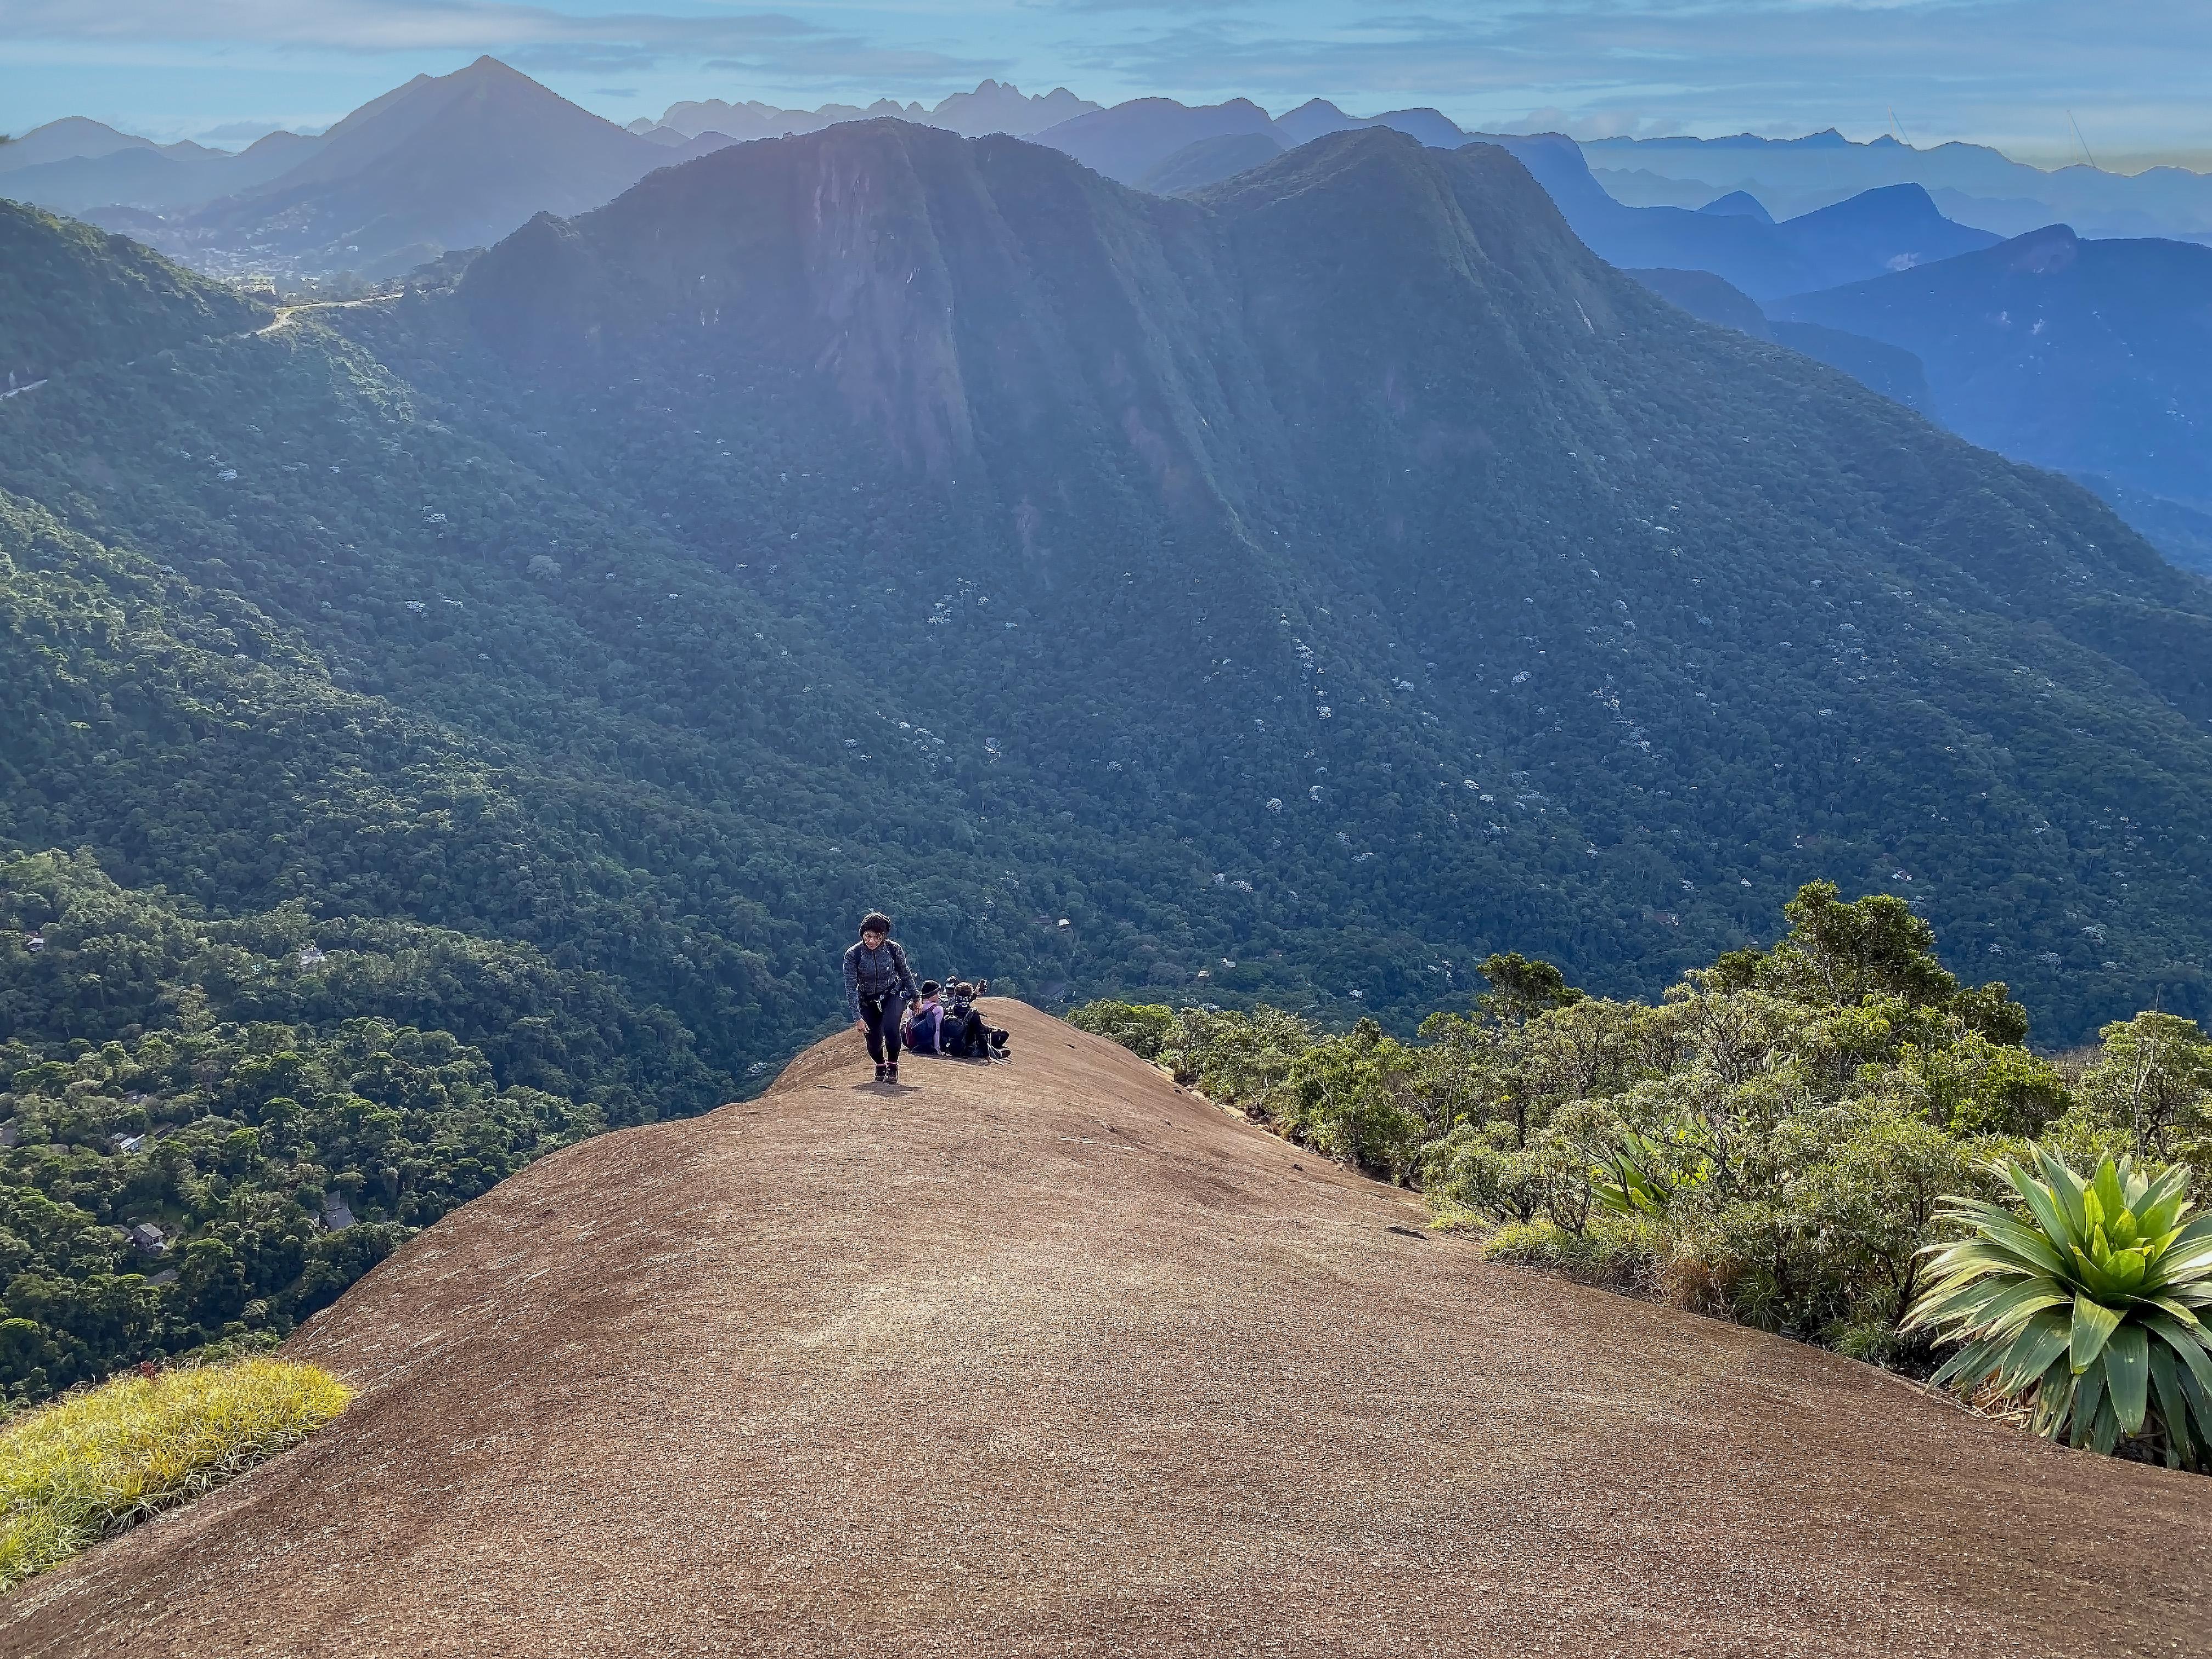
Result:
926,1027
878,985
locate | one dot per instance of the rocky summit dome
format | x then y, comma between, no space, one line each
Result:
1058,1357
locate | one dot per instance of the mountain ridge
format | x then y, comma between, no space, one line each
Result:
992,107
2021,338
1018,1307
1181,456
1258,570
384,182
1973,183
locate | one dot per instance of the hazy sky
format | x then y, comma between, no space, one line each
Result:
2001,71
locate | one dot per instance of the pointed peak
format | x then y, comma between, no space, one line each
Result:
1738,203
489,68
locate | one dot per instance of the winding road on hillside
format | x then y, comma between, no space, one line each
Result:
1055,1358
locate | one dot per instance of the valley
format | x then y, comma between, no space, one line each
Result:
457,719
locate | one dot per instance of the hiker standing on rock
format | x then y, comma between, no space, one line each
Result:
878,985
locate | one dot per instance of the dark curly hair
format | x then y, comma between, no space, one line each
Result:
876,922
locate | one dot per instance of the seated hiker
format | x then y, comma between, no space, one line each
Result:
878,985
961,1020
926,1028
967,1035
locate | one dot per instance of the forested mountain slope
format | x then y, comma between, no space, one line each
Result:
1371,433
1314,585
70,293
518,690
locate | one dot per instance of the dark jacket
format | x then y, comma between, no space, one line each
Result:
876,975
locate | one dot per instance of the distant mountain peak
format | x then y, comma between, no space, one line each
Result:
1738,204
66,139
1893,205
2041,252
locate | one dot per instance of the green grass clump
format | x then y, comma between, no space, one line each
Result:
93,1464
1613,1255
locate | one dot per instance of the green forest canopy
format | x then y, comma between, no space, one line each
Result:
566,660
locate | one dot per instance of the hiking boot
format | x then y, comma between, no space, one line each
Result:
890,1073
880,1069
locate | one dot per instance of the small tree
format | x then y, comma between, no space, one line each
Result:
1147,1029
1353,1098
1840,954
2151,1078
1520,989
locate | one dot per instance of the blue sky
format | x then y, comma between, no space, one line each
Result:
2006,72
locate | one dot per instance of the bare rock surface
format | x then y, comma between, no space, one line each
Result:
1054,1357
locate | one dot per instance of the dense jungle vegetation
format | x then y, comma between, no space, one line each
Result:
281,1100
1770,1142
501,699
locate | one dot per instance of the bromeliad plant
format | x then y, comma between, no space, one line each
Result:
1629,1182
1638,1176
2087,1307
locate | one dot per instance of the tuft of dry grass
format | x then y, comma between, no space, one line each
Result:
96,1463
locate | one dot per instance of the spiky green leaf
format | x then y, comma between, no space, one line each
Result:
2088,1399
2172,1406
2093,1325
2061,1225
2031,1353
2127,1374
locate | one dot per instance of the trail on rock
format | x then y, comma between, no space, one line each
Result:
1057,1358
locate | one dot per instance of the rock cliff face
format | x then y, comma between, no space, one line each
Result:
1361,460
1056,1353
1319,583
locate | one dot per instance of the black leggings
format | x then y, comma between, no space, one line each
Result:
882,1019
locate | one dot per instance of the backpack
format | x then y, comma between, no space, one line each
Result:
963,1034
924,1030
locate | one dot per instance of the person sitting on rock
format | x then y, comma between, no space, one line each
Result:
927,1028
878,985
967,1035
